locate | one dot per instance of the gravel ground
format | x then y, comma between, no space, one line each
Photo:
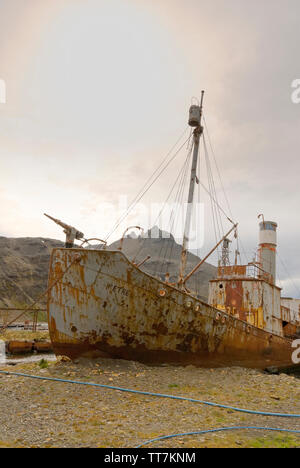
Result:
37,413
26,335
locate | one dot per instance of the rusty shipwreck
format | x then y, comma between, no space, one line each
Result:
101,303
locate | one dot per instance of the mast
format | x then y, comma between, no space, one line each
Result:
194,121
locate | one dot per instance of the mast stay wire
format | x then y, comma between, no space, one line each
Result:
182,174
239,241
145,187
165,203
217,167
215,202
216,217
177,200
211,203
213,188
176,209
216,208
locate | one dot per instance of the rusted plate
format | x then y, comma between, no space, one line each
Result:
43,346
19,347
105,306
249,299
235,270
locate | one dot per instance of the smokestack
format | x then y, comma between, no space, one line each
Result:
267,250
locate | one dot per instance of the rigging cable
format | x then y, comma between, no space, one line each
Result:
222,186
177,200
146,186
216,203
161,211
176,209
211,191
217,167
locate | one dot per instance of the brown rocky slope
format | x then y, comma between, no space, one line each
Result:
24,265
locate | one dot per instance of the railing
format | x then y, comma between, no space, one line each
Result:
10,316
252,270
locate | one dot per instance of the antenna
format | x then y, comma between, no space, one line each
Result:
225,260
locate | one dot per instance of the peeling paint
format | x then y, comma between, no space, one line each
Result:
105,306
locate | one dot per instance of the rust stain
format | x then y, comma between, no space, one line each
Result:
122,314
234,298
20,347
235,270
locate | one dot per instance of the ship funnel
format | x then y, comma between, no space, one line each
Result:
267,250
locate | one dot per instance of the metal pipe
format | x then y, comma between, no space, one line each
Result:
126,230
86,241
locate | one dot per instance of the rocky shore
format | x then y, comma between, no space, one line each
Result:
37,413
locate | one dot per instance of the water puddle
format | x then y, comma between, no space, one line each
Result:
13,360
8,360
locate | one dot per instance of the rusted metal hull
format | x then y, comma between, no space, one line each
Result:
103,305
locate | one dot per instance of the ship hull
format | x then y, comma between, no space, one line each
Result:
101,305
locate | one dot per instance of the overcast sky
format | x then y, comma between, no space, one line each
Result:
98,91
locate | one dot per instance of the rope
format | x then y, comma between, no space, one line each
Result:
220,429
160,395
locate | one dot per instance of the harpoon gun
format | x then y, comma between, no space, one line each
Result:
71,232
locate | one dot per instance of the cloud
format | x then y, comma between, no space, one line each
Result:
94,102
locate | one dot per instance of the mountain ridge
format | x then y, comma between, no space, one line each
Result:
24,264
